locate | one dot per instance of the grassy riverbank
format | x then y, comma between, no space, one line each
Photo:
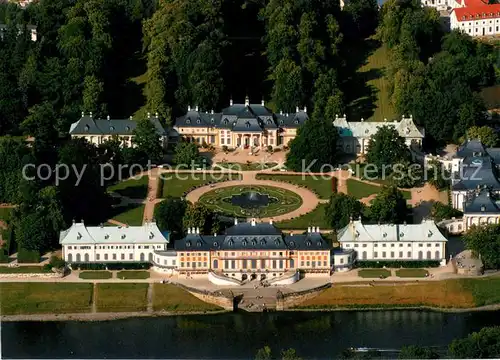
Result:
457,294
172,298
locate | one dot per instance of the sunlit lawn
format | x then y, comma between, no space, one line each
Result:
323,187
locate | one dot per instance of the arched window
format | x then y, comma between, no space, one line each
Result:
78,258
216,264
150,257
364,255
188,121
142,257
420,255
428,255
292,263
86,257
436,255
70,258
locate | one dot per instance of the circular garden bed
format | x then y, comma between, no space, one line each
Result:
252,201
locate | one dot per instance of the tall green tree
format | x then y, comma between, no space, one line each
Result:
485,134
387,147
389,206
169,215
147,140
186,153
341,208
484,344
484,241
314,146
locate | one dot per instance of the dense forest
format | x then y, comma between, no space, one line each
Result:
129,57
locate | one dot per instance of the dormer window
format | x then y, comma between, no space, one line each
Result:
277,242
292,244
268,122
212,120
216,244
244,243
127,128
463,17
318,243
188,243
198,121
87,128
262,242
483,208
198,243
367,131
281,122
407,130
296,122
188,121
401,234
226,121
308,243
247,125
112,128
231,242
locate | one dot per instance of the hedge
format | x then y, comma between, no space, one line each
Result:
28,256
4,257
110,266
398,264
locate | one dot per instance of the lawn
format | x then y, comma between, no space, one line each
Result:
23,270
169,297
133,274
484,291
491,96
121,297
176,185
95,275
320,185
373,273
36,298
132,188
359,189
444,294
253,166
5,214
280,200
131,215
314,218
412,273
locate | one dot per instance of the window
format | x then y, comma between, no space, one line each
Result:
375,254
409,254
204,264
123,256
409,245
420,245
341,260
384,254
173,262
392,245
226,264
400,245
98,257
383,245
428,245
364,245
375,245
182,264
356,245
400,254
114,256
69,247
392,254
105,256
308,263
436,245
281,264
301,263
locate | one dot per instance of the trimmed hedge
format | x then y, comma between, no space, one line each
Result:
398,264
28,256
4,258
110,266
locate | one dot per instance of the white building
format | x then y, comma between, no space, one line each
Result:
97,131
476,18
99,244
394,242
355,135
443,4
31,29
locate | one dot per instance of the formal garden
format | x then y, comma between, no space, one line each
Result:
251,201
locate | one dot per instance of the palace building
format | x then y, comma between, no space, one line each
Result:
355,135
97,131
240,126
394,242
100,244
475,17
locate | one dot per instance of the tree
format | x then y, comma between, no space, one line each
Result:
264,353
407,175
289,354
386,147
314,145
389,206
186,153
484,241
485,134
440,211
199,216
341,209
484,344
147,140
364,16
169,215
437,175
417,352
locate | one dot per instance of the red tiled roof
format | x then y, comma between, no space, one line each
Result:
476,12
475,2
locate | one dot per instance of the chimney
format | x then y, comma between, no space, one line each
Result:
281,112
235,221
156,115
196,108
305,109
130,117
212,111
262,103
189,107
83,114
215,234
362,120
149,115
344,116
90,114
108,118
271,221
296,109
189,230
317,229
309,229
247,101
253,222
198,230
231,102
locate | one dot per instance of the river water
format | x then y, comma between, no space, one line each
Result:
317,335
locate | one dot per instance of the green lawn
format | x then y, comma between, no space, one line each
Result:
121,297
132,188
169,297
374,273
176,185
140,81
318,184
96,274
133,274
484,291
359,189
246,167
36,298
5,214
314,218
131,215
412,273
23,270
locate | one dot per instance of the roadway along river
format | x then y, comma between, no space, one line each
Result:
317,335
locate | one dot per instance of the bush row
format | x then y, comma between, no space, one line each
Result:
398,264
28,256
110,266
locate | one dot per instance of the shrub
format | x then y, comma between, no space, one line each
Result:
4,257
28,256
224,148
111,266
57,262
398,264
47,267
269,148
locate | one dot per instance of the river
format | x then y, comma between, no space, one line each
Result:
317,335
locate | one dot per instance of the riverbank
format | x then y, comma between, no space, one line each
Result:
493,307
103,316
